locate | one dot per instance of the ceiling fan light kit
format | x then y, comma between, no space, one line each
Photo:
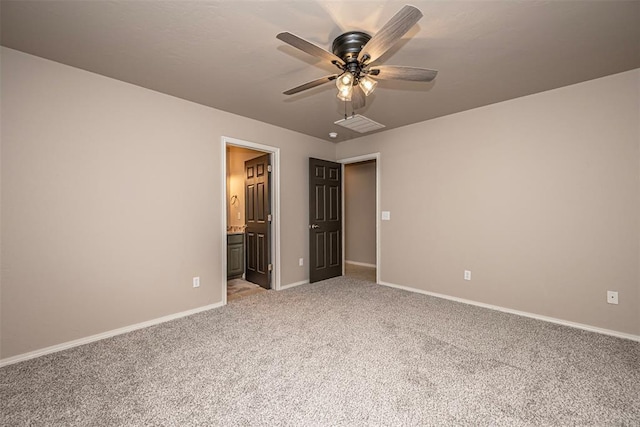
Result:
345,94
345,83
367,85
355,52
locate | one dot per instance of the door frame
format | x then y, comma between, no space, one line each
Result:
358,159
275,208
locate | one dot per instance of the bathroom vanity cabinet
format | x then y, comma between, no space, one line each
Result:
235,255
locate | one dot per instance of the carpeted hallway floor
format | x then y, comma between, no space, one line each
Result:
338,352
239,288
355,271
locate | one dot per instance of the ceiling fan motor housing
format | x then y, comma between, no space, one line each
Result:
348,45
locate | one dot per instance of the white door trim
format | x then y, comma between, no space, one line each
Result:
275,207
358,159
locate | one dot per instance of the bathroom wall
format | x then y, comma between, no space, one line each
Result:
236,156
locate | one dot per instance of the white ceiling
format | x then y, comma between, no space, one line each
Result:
225,54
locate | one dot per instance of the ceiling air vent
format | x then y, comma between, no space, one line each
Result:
359,124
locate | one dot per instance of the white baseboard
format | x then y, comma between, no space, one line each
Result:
520,313
361,264
103,335
130,328
293,285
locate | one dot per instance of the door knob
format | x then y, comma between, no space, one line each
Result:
314,226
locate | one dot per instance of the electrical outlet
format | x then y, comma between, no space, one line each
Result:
612,297
239,215
467,275
196,282
301,262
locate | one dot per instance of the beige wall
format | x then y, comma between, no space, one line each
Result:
360,212
537,196
112,202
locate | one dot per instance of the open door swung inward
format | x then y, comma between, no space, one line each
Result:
258,220
325,219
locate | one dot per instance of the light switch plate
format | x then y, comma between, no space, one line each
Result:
386,215
612,297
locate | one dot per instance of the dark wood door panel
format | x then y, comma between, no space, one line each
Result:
258,210
261,214
320,250
319,203
250,202
251,251
334,204
325,219
335,245
263,262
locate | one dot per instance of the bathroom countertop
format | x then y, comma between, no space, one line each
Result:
236,229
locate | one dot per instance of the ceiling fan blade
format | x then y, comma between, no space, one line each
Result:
390,33
357,98
309,47
396,72
311,84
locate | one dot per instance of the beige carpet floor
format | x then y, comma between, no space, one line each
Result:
341,352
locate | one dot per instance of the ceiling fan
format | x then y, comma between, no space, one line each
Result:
355,53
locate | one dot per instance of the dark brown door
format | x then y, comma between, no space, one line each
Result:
325,220
258,219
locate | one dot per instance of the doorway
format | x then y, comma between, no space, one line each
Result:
361,217
237,223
